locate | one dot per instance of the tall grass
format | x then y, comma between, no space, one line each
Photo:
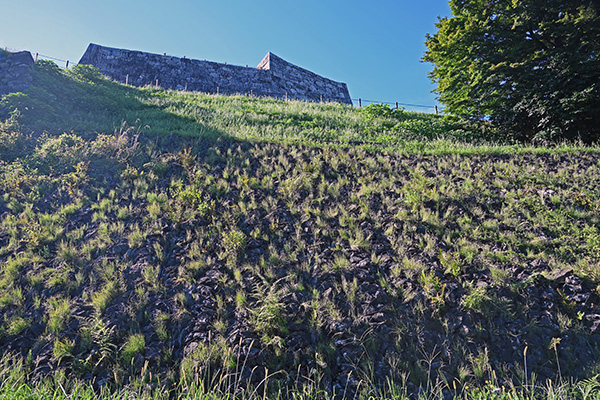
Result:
14,386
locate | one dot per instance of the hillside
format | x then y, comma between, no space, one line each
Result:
152,239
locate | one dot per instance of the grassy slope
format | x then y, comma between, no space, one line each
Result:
225,239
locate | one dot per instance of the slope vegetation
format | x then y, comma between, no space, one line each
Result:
241,245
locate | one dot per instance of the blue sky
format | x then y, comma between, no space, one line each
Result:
374,46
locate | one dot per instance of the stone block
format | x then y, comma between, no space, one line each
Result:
15,71
22,57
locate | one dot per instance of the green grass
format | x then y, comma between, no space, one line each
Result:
13,386
82,102
157,243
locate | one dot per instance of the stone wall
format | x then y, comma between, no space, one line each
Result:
15,71
274,77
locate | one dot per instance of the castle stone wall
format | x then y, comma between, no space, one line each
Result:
274,77
15,71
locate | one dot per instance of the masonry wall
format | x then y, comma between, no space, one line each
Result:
274,77
15,71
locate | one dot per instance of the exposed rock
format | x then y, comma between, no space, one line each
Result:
595,328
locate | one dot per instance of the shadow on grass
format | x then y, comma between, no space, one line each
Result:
83,102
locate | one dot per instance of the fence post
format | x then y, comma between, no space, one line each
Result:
436,110
251,93
396,105
286,99
156,85
217,90
359,102
321,98
36,57
67,66
185,90
127,80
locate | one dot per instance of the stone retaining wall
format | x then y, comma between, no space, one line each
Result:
15,71
274,77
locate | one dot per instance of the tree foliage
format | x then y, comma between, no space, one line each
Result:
532,67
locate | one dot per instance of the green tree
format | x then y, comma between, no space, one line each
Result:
531,67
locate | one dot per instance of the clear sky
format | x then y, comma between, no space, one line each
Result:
374,46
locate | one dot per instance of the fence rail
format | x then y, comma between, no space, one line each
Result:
395,104
66,64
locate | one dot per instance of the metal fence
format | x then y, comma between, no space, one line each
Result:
37,56
360,102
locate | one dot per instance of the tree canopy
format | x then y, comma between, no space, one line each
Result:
531,67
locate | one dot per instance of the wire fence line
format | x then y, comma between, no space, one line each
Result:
66,64
394,104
